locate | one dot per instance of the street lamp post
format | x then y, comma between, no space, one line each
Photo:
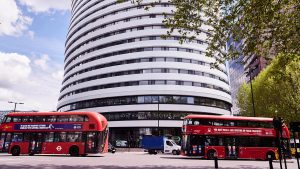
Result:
252,97
15,104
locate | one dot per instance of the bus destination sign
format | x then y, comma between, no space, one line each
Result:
47,126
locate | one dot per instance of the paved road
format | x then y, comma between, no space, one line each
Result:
126,160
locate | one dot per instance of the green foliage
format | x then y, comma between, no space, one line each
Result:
267,27
276,90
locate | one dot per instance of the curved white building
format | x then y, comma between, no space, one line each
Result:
117,64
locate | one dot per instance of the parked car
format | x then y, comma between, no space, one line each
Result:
111,148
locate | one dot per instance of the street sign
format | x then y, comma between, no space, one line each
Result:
295,126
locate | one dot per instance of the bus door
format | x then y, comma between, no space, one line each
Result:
36,142
197,145
231,149
92,142
5,140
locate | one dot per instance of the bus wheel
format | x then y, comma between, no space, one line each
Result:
15,151
83,155
211,154
74,151
272,154
31,154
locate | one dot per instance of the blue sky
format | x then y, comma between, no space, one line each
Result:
32,37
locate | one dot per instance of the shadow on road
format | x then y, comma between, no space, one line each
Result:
53,155
3,166
199,158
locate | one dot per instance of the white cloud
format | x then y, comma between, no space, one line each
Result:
13,22
46,5
22,81
58,75
5,94
14,68
42,61
31,34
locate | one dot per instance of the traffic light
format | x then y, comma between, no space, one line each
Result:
278,123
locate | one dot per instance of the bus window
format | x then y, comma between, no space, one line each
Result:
16,119
185,122
205,122
25,119
7,119
74,137
51,119
26,136
218,123
17,137
196,122
253,124
229,123
60,137
49,137
62,118
40,119
266,124
242,123
76,118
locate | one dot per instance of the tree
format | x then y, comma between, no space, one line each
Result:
266,27
276,90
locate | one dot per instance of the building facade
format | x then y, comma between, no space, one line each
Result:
117,64
237,78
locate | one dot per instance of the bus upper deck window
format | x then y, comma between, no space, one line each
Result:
8,119
196,123
40,118
51,119
76,118
86,118
25,119
17,119
62,118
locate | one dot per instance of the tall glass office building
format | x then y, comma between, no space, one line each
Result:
117,64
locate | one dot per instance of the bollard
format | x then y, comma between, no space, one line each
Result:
270,161
216,160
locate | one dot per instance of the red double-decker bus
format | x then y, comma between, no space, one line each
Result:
74,133
230,137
